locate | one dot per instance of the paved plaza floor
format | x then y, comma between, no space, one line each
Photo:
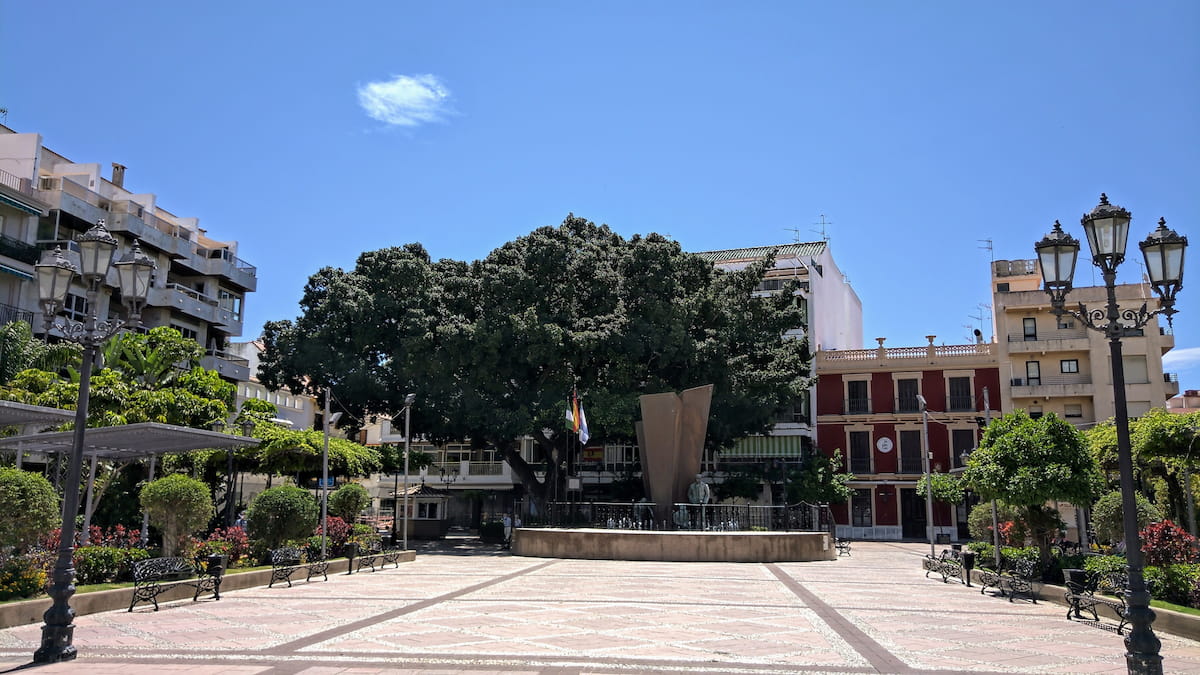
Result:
472,609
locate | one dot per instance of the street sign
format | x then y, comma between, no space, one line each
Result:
326,482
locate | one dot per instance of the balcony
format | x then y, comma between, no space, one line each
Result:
856,406
8,314
221,262
134,220
1061,340
64,194
195,304
1058,385
961,404
466,475
907,404
1167,343
227,365
19,250
1171,382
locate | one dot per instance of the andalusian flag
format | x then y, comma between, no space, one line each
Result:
577,418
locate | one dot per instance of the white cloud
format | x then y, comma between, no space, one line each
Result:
405,100
1182,358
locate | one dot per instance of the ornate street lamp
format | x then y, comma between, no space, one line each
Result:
1107,230
96,249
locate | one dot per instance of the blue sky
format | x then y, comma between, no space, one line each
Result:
311,132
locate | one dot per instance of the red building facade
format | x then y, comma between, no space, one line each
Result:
868,407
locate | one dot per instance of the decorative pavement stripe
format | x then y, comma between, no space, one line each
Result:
317,638
875,654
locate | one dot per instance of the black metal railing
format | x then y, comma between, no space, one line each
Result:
907,404
19,250
8,314
858,406
961,403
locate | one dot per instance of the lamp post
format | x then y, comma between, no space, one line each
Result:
54,276
409,399
329,420
925,463
1107,230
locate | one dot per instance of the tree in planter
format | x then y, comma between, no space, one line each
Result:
178,505
31,508
1028,462
281,514
348,501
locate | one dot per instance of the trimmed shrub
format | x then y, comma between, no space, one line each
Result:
1012,528
102,564
21,577
33,498
178,505
1107,515
1172,583
280,514
348,501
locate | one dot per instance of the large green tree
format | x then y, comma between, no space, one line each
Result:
1027,462
20,350
494,347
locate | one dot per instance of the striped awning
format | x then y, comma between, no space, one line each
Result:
5,269
765,446
28,207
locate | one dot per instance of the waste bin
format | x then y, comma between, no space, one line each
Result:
968,564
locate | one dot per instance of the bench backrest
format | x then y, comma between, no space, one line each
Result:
161,568
287,555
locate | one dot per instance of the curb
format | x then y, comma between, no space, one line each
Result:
28,612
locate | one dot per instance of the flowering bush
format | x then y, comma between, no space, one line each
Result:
1165,543
339,533
116,536
21,577
231,541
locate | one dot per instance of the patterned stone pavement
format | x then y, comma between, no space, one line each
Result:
457,610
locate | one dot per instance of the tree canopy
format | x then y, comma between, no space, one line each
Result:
494,347
1027,462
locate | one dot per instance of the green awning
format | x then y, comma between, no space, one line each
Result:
765,446
17,203
5,269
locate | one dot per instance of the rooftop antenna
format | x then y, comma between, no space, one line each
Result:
987,245
795,233
984,312
823,232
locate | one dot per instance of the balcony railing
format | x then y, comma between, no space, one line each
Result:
1056,380
907,404
1060,334
8,314
857,406
227,356
911,463
225,254
961,403
19,250
17,183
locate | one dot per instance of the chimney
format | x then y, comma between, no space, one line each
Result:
118,175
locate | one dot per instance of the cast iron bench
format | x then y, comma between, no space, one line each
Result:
842,546
285,561
156,576
948,564
1081,594
1012,579
377,555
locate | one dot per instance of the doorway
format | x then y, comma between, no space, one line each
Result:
912,514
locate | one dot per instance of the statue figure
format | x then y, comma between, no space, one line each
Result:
699,492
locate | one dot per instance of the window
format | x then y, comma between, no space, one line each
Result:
75,307
1073,410
230,302
961,441
1029,325
961,398
1137,409
857,402
1066,322
189,333
910,452
427,510
1035,412
1033,373
906,395
860,452
860,508
1069,366
1135,369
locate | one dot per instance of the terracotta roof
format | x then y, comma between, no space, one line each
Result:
795,250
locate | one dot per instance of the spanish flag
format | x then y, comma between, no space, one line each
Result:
577,418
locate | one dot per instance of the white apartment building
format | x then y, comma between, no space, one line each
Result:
299,409
46,200
833,314
1056,364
